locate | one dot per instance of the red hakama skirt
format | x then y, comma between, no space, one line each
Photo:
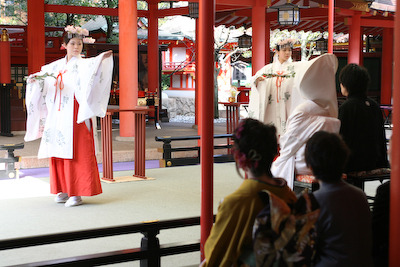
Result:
78,176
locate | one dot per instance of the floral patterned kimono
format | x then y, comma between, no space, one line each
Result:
61,100
270,101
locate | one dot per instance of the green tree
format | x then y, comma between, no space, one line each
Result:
14,12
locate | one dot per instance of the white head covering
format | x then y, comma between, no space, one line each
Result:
315,81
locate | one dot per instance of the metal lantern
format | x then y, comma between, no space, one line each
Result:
288,14
321,45
194,10
244,41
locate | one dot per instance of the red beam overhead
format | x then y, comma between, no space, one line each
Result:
374,22
243,13
88,10
310,25
173,11
247,3
219,8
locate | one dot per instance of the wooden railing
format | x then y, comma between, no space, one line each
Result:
140,141
149,253
167,150
170,66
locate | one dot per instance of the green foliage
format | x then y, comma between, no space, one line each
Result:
14,12
61,19
165,81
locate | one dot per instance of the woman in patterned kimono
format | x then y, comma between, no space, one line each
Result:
61,100
271,89
230,241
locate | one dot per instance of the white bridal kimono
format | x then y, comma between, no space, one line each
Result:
270,101
50,101
316,109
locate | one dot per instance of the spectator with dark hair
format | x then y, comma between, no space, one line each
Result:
361,122
255,147
344,225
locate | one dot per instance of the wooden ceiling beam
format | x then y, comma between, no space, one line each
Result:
88,10
373,22
247,3
173,11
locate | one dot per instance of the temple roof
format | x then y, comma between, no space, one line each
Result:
313,15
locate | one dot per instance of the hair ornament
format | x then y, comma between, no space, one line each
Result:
253,155
286,42
239,131
76,31
241,159
88,40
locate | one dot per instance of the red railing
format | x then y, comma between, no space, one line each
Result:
171,66
232,118
140,141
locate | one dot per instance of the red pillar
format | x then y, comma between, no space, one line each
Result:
5,58
206,93
355,40
258,15
35,35
394,234
387,66
128,65
267,41
331,20
196,74
152,48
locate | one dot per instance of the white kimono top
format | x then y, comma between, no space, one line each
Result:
50,101
270,101
305,120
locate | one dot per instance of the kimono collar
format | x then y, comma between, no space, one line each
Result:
72,59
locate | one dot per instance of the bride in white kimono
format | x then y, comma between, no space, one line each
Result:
316,109
61,99
271,89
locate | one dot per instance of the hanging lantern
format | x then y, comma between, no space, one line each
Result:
244,41
194,10
288,14
321,45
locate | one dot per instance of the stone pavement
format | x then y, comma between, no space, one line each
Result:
28,209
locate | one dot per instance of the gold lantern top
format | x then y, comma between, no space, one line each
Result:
4,35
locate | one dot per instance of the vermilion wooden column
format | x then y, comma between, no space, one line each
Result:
196,90
152,48
355,41
206,92
35,35
267,40
331,21
5,58
394,234
387,66
5,86
128,65
258,35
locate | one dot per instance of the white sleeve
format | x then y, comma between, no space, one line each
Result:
35,100
95,80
